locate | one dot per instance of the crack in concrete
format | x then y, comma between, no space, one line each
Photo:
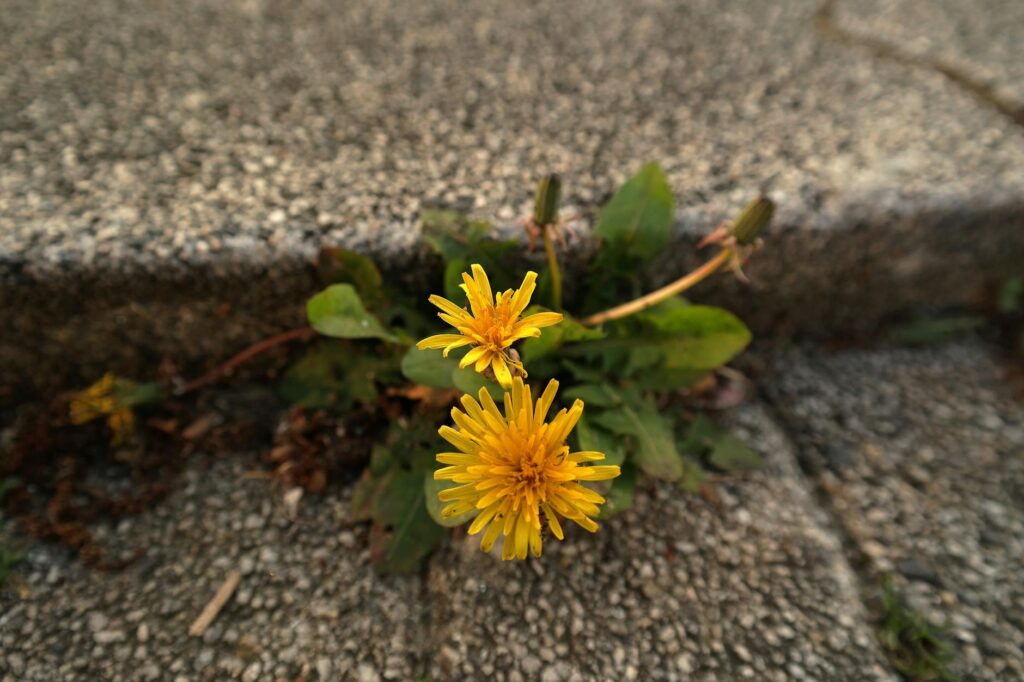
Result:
827,25
856,561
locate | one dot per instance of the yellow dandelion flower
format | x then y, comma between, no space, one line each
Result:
94,402
112,397
512,468
491,326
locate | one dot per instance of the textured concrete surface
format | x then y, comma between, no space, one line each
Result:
674,589
920,455
161,155
980,38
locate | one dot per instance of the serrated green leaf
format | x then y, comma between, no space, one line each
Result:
317,379
429,367
431,488
338,311
693,338
637,221
620,496
732,454
405,533
699,337
700,436
693,476
462,240
591,437
330,373
654,449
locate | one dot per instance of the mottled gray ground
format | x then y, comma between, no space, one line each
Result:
675,589
921,454
165,165
980,38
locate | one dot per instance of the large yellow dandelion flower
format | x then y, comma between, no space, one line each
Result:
514,467
491,326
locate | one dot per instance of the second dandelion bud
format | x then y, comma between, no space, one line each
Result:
492,324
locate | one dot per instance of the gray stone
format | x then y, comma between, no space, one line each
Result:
956,532
758,581
172,200
674,587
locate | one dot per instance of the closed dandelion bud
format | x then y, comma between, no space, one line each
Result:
755,217
545,207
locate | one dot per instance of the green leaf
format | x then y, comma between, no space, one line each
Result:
637,221
654,448
1011,296
620,496
700,436
601,395
429,367
931,330
554,337
732,454
693,338
337,311
332,373
460,240
317,379
719,448
342,266
591,437
404,532
431,488
468,381
693,477
668,379
453,270
7,485
698,337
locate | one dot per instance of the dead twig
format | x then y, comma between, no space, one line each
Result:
249,353
214,606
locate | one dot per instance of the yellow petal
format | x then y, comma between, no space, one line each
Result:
501,371
439,341
472,356
586,456
540,320
482,283
597,473
521,299
447,306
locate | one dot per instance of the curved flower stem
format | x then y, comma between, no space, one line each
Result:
556,274
655,297
249,353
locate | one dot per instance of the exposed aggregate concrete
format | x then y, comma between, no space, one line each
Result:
921,456
674,589
169,169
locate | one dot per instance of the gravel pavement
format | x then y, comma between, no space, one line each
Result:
921,457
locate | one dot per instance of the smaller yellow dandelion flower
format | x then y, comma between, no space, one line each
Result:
112,397
511,468
491,326
94,402
122,424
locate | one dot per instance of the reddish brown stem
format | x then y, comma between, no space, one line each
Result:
248,354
